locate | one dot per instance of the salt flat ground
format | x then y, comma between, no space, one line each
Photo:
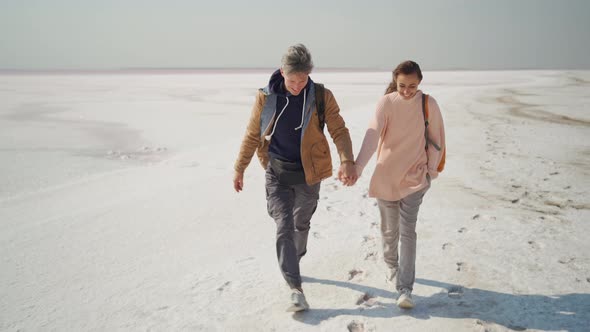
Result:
117,210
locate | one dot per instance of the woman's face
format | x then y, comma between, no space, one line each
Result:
407,85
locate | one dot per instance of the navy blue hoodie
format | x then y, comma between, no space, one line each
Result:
285,143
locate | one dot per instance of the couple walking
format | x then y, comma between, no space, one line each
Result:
286,132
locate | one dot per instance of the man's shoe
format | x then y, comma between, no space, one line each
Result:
405,299
298,302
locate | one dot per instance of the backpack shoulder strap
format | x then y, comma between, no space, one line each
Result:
441,165
426,115
320,104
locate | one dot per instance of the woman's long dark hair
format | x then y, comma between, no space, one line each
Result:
407,68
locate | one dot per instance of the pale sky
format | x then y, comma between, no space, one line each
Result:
438,34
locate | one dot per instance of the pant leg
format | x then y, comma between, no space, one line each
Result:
409,207
389,211
280,202
306,202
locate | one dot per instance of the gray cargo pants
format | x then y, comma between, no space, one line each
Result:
398,224
291,206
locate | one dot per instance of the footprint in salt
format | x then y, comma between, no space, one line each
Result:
366,299
355,326
455,292
372,255
352,274
566,260
224,286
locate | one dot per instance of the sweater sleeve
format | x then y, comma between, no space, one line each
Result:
372,135
436,133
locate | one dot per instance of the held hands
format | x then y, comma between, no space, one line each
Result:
238,181
347,174
359,171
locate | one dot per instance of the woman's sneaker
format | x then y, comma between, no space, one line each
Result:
298,302
404,300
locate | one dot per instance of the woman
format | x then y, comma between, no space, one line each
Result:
406,164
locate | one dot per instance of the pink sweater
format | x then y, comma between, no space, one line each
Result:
397,133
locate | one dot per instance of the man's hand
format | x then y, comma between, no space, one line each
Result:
238,181
347,174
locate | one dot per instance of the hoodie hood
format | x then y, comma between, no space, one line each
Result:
275,84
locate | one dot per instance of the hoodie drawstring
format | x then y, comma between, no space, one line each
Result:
267,137
302,110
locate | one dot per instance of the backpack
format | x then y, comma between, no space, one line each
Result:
320,104
425,112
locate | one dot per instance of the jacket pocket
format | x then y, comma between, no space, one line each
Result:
320,157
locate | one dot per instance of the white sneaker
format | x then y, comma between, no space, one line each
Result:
404,300
298,302
390,274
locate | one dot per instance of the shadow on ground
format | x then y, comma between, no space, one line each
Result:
570,312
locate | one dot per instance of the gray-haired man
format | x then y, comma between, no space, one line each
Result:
285,131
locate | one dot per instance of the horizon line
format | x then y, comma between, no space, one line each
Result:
187,70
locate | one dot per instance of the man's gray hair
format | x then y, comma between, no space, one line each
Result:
297,60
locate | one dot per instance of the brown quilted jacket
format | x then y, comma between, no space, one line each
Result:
315,151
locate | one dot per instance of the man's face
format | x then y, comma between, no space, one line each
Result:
295,82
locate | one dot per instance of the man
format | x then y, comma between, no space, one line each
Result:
285,130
